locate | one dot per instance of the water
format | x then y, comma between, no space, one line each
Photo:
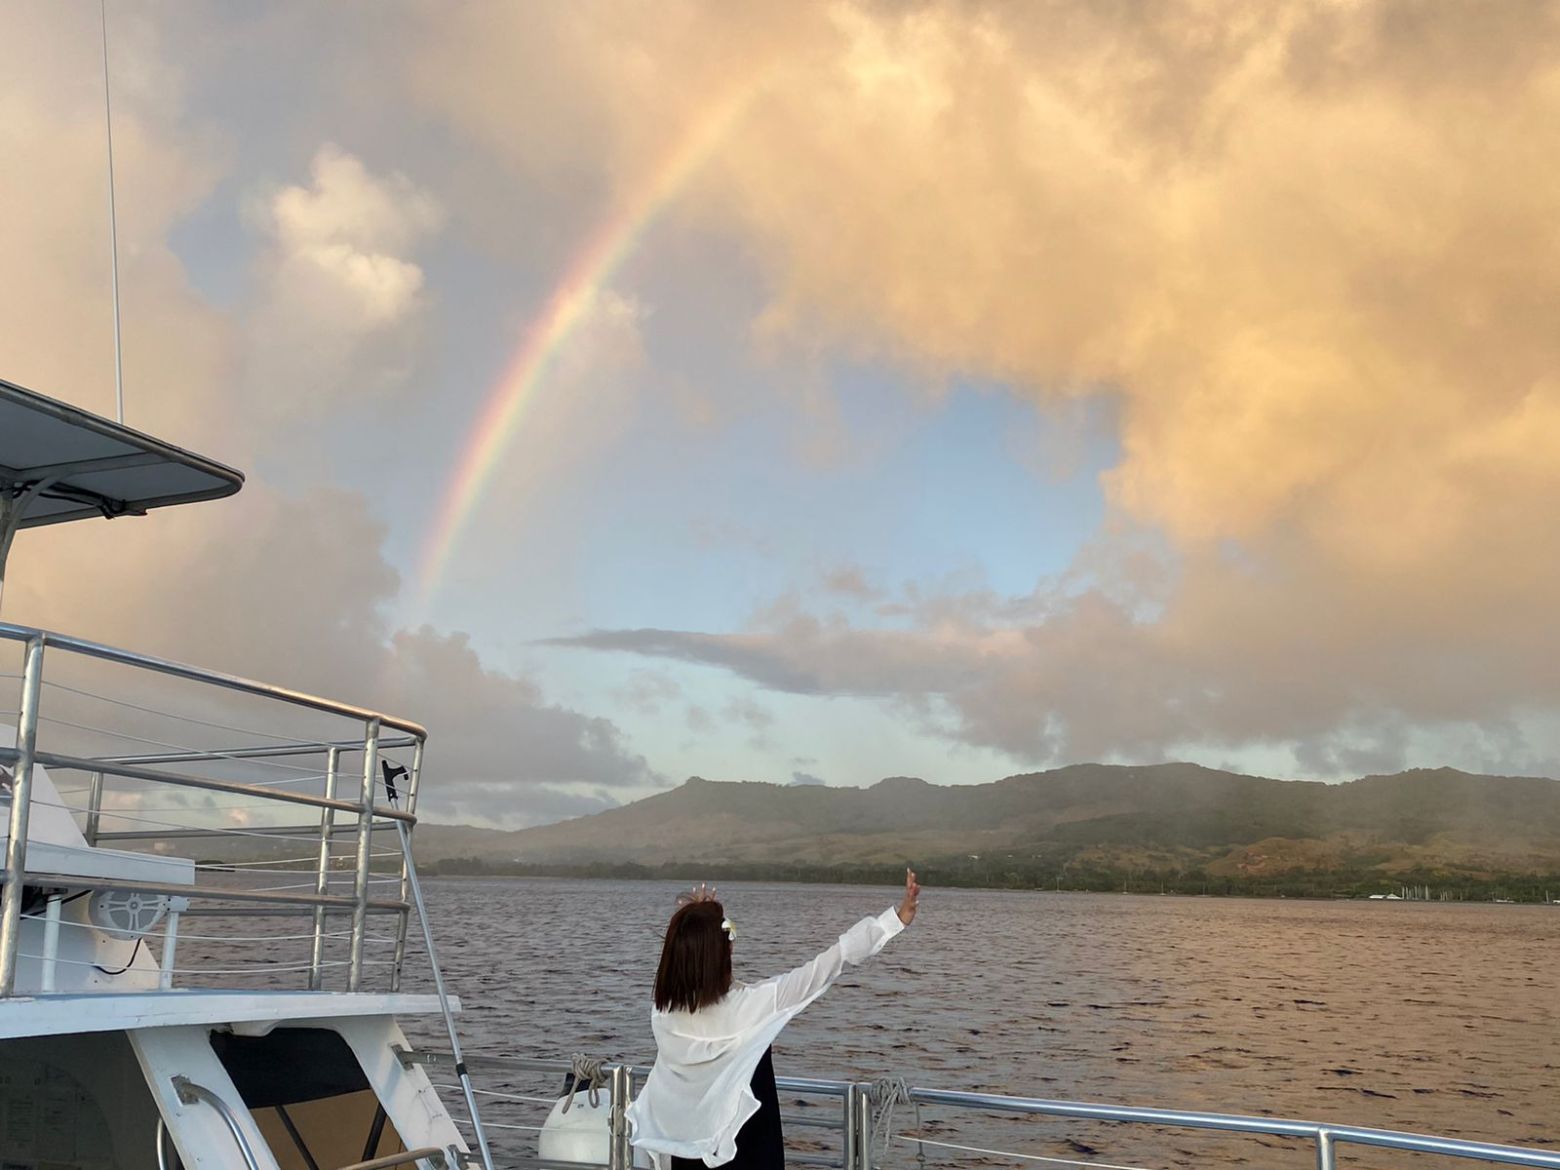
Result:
1417,1016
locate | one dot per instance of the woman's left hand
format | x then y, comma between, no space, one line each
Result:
906,908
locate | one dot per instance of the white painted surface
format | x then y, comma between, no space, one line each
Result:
409,1098
199,1134
254,1012
56,845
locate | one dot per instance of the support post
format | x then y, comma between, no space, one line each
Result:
1325,1159
51,944
444,1004
322,874
176,907
850,1159
365,850
21,808
617,1125
404,919
94,807
863,1128
11,507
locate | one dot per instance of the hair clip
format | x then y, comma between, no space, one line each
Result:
700,893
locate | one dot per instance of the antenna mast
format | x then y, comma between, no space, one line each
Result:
113,228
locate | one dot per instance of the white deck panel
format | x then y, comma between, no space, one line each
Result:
104,866
60,1015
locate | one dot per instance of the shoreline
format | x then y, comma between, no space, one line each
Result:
1500,892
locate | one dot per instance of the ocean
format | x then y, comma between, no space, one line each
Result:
1421,1016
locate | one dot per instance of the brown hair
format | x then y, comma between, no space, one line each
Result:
695,968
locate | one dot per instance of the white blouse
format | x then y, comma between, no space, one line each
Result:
697,1096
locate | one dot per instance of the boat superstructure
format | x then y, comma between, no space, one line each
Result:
209,897
210,905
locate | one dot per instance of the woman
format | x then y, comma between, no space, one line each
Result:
710,1099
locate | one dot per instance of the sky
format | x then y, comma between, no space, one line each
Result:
822,391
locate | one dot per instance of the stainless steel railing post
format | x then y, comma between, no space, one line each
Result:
1325,1158
365,850
21,808
322,874
94,807
618,1155
405,916
863,1128
851,1158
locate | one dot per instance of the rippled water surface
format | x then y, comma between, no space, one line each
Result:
1418,1016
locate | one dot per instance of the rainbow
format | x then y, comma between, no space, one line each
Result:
504,411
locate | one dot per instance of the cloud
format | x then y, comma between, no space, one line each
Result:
292,587
804,779
341,241
850,581
646,691
338,294
308,578
1308,258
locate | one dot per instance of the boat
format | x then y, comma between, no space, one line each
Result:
166,1002
136,1030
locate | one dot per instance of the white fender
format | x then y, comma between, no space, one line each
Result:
583,1134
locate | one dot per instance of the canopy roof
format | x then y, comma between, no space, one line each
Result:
58,463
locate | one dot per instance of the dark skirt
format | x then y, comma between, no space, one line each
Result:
760,1142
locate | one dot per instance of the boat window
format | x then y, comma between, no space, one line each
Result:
309,1096
74,1103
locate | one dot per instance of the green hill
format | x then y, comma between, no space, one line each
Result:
1090,825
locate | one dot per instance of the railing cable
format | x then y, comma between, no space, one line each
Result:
905,1137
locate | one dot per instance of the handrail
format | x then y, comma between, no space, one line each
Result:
335,902
358,815
179,780
858,1114
161,1138
258,753
189,1093
402,1159
409,1056
230,682
1325,1135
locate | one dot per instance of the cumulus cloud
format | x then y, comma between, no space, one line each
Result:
338,290
1307,255
290,587
342,241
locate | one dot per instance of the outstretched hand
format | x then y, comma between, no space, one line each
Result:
906,907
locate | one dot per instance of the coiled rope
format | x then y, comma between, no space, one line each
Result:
585,1070
886,1094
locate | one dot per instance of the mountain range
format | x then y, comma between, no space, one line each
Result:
1088,824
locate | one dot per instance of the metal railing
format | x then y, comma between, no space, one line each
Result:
861,1116
349,807
189,1093
1325,1137
621,1081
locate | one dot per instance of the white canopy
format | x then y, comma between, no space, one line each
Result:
58,463
71,464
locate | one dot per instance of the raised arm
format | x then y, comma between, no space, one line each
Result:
796,989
